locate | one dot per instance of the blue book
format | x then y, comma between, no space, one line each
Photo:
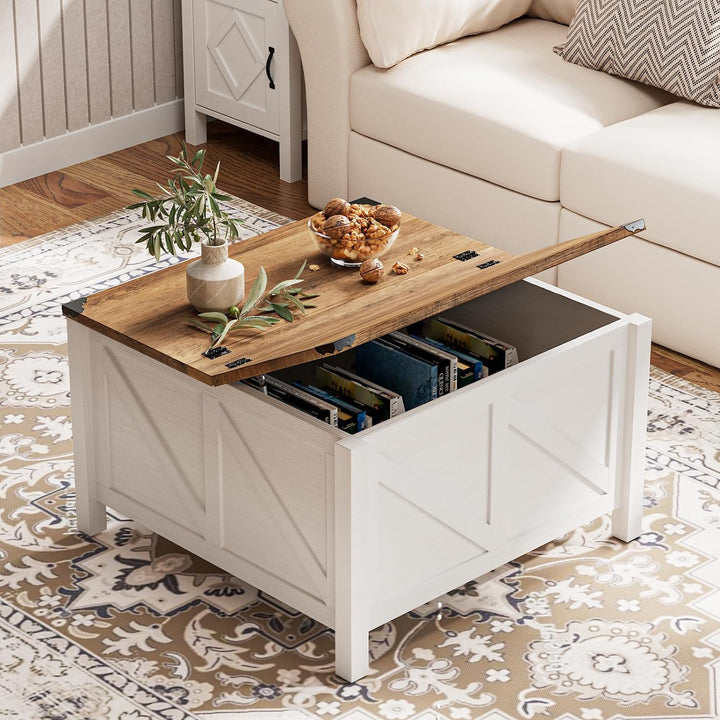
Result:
479,370
359,418
415,379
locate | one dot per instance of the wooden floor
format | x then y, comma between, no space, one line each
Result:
249,169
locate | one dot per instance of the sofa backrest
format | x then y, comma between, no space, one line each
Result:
562,11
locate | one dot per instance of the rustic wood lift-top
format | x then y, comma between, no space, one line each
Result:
149,314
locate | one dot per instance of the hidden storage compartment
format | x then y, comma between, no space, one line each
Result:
529,315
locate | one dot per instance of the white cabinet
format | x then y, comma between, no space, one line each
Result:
354,530
242,65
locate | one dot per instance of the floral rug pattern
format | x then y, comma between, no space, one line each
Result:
127,626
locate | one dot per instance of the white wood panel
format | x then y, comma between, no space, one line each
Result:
273,489
29,76
76,85
154,453
89,142
9,109
121,81
98,61
67,64
163,50
232,41
52,70
142,54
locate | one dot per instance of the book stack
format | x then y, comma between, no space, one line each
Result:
394,373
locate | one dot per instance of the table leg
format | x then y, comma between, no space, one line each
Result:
352,550
195,127
91,518
352,651
627,517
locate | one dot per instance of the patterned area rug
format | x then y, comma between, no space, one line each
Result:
127,626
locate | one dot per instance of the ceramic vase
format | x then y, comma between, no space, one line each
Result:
215,281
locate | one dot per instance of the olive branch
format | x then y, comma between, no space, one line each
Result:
260,310
188,210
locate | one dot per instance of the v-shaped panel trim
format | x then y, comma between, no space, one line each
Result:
534,427
296,541
240,85
456,520
133,403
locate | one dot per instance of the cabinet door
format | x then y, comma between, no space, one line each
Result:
232,43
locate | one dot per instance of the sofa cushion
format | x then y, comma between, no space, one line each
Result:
392,30
670,45
562,11
499,106
662,166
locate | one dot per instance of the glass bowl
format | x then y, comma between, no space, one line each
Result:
352,254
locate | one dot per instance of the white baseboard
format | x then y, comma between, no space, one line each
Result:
90,142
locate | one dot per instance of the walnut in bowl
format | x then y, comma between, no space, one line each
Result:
351,233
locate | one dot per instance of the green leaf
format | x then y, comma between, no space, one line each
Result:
142,194
255,321
217,316
282,285
300,271
224,332
264,318
251,326
308,297
296,303
199,156
200,326
256,292
283,312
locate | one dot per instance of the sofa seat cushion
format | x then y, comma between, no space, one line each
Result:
662,166
499,106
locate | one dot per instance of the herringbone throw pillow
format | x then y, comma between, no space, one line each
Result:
669,44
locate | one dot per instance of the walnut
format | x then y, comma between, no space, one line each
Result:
336,226
336,206
388,215
400,268
372,270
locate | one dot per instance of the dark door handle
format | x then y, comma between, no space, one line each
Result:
271,52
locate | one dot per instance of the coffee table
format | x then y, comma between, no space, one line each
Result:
354,530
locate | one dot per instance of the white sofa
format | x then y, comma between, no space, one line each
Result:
496,137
